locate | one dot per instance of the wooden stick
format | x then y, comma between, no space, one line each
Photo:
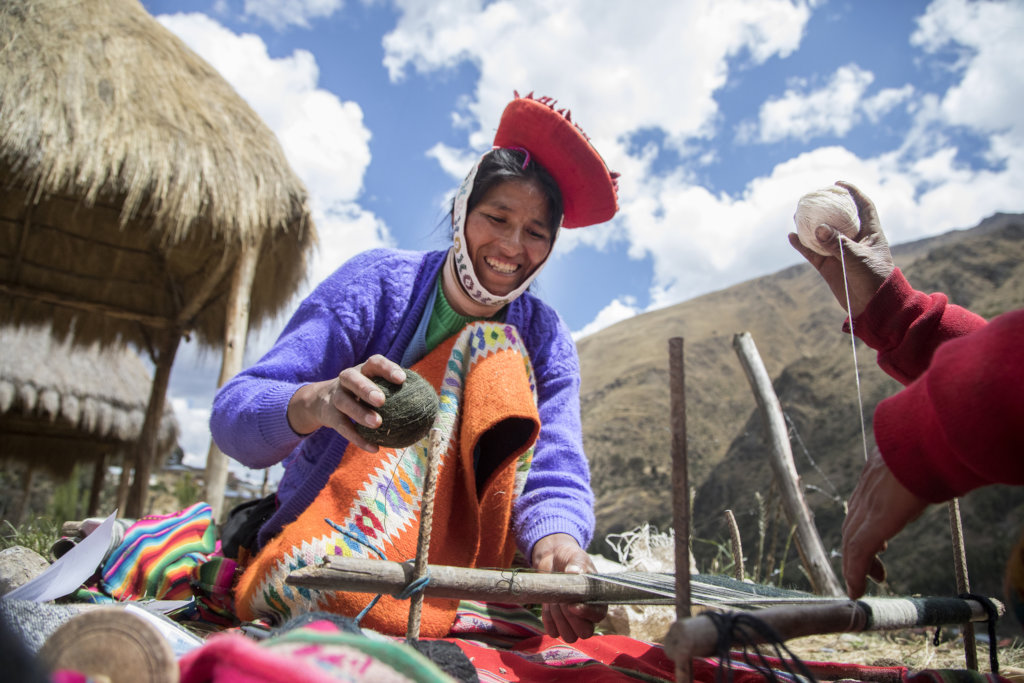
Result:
236,332
680,493
363,575
812,551
963,582
423,543
699,636
65,301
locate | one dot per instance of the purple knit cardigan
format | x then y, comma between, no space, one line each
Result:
373,304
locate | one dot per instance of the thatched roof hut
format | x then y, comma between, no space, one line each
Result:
130,171
141,199
63,404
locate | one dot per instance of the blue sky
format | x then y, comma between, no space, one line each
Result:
719,114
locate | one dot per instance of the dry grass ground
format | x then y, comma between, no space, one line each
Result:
913,648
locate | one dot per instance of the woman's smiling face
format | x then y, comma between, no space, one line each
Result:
508,235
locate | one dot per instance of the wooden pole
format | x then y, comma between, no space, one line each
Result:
512,586
145,447
963,582
680,494
99,476
812,551
236,327
412,631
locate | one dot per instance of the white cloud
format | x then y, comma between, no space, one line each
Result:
618,310
986,37
831,110
621,67
886,100
282,13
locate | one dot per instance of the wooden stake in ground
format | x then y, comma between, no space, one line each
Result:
963,583
680,493
812,551
423,544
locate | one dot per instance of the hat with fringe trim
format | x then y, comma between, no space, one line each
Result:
589,189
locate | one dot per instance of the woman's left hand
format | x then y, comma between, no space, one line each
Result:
561,553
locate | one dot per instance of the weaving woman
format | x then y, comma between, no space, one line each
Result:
514,475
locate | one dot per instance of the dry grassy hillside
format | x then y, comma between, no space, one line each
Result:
795,323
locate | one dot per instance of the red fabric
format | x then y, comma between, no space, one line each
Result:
614,659
957,426
543,658
587,186
906,326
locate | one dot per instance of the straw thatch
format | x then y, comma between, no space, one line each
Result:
62,403
131,174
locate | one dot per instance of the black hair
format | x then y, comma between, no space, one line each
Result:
501,165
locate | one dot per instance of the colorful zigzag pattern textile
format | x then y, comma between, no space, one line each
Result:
159,553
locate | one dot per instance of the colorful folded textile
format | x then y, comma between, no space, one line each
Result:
158,554
213,585
370,506
317,653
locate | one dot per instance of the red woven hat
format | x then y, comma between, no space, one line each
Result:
560,146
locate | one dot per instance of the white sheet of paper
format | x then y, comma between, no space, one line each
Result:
71,569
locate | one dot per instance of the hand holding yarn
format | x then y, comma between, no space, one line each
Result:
832,206
865,252
407,414
345,401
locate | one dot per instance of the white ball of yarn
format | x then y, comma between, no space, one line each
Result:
832,206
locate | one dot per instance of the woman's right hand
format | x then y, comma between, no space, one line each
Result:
349,397
867,256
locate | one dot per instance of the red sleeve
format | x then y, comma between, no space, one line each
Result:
960,425
905,326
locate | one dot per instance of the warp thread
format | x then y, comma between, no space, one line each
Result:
833,206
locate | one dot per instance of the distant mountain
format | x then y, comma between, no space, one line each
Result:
795,323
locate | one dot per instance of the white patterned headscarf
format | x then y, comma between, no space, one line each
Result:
459,261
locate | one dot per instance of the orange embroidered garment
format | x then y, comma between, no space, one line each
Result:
370,506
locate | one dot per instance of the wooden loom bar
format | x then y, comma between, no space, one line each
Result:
361,575
699,636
